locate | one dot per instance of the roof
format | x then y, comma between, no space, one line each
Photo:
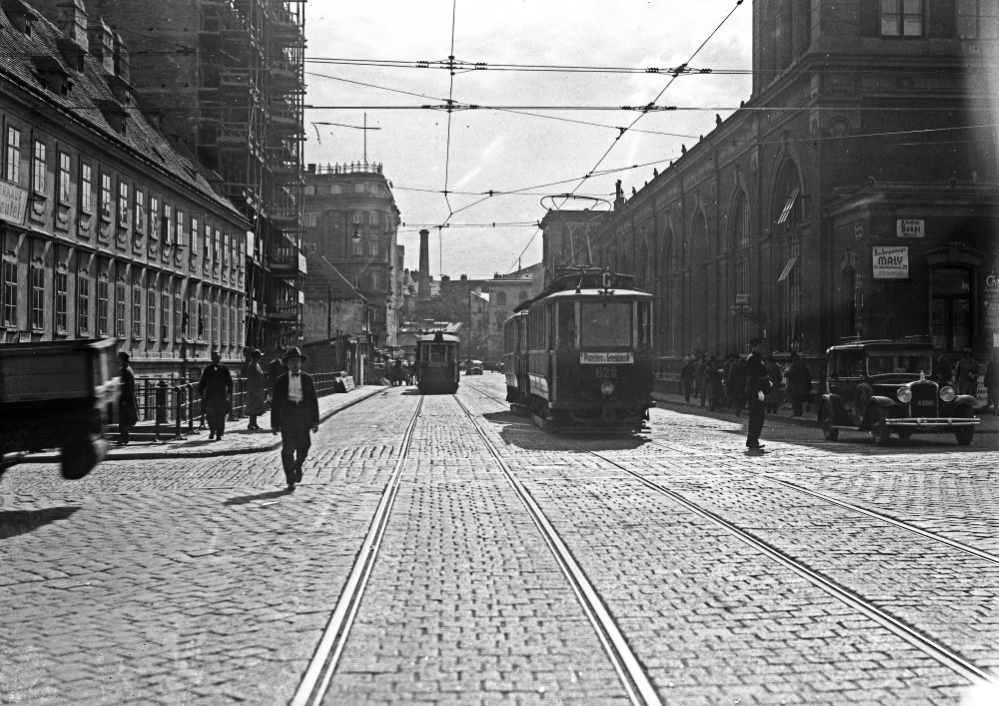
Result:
882,343
20,56
430,337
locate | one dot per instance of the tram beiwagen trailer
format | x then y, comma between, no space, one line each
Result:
437,356
579,356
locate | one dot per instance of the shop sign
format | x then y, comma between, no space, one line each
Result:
992,306
891,262
13,202
910,228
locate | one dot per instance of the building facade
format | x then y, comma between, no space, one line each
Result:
855,194
105,229
226,80
351,219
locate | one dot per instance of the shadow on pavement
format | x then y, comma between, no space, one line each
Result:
247,499
861,443
15,522
521,432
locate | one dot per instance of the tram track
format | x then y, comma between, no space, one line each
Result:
316,681
933,648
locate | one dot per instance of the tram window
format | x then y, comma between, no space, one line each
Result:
605,324
567,325
439,354
644,325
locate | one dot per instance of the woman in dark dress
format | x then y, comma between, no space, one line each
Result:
128,409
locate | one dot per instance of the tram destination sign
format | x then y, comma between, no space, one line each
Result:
605,358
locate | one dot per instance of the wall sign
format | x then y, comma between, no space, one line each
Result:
13,202
992,306
891,262
910,228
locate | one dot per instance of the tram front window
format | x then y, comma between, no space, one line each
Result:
605,324
440,354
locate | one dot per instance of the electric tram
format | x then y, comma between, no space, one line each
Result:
437,356
579,356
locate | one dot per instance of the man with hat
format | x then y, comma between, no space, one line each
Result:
216,390
294,412
757,389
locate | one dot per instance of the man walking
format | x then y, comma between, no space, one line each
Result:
992,383
757,388
294,412
215,388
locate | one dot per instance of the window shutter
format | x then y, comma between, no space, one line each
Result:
869,19
942,20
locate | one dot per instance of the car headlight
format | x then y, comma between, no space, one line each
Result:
904,395
948,393
607,388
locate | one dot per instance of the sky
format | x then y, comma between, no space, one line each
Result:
510,143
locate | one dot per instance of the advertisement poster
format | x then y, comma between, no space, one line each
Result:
891,262
991,302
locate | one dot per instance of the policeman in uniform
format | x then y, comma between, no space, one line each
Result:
757,389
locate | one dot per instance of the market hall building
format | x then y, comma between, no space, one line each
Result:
854,194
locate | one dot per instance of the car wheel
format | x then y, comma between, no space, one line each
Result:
879,427
825,417
904,434
965,435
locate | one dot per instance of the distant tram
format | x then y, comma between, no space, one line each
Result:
579,356
437,356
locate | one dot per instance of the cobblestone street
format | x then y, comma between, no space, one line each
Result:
201,580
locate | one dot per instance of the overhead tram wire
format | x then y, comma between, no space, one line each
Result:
639,117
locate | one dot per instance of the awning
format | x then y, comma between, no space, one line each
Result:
787,268
786,213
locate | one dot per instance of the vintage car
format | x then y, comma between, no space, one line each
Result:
888,387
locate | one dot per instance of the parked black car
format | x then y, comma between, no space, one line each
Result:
888,387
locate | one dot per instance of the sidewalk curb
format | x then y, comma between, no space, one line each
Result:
53,456
663,401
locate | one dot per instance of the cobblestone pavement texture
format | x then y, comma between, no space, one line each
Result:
945,593
184,581
201,580
466,603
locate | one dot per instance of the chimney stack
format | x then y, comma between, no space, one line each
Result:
101,44
423,287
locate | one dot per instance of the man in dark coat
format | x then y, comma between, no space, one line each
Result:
294,412
992,383
215,388
757,389
275,369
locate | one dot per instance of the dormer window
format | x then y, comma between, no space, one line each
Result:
53,75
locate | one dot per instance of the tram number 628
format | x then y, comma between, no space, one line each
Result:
606,372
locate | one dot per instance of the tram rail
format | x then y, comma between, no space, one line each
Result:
929,646
315,683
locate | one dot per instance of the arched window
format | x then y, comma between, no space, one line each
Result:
522,296
500,298
739,221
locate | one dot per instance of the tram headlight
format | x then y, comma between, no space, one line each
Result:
904,395
607,388
947,394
